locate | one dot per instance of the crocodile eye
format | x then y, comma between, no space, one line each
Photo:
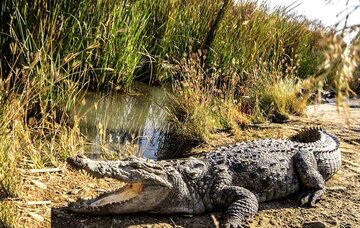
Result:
194,169
193,173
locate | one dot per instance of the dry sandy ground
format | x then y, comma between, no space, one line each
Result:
340,206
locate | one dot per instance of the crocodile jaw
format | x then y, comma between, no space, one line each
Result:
133,197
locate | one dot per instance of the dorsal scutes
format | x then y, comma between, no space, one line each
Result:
307,135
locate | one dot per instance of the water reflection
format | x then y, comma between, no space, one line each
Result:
123,123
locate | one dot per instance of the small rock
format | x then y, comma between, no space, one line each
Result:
314,224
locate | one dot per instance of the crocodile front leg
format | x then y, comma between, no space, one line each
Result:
242,206
241,203
310,177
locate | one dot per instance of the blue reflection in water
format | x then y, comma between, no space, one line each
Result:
118,122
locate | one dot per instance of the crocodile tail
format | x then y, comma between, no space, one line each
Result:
313,134
307,135
325,147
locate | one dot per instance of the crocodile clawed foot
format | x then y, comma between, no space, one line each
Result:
309,198
234,224
77,162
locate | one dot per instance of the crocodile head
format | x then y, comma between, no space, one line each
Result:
149,186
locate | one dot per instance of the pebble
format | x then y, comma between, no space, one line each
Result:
314,224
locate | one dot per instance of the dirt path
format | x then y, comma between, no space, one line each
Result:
339,208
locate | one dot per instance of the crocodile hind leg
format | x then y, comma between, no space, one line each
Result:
311,179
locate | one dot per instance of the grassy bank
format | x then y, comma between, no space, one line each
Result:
110,43
238,50
229,65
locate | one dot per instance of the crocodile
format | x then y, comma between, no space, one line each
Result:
235,178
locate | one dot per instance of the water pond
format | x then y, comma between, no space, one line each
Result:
122,124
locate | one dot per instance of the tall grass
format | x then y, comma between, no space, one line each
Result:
109,43
205,102
96,42
34,133
251,34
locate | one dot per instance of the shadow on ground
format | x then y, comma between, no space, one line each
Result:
62,217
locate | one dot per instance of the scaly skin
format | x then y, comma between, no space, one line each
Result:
236,177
